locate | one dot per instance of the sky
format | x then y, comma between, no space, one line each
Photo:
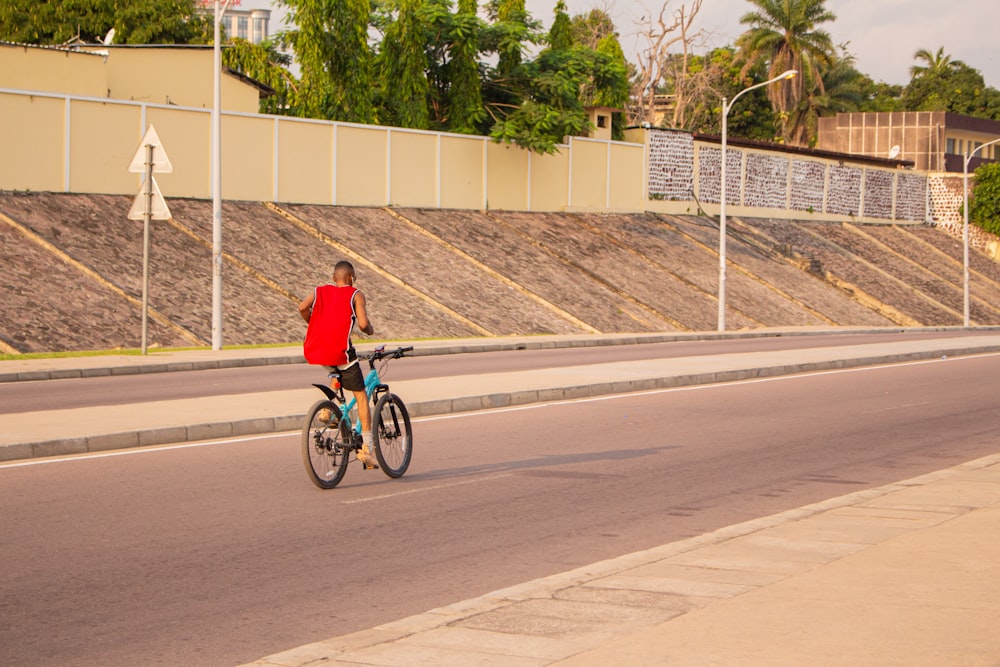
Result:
883,35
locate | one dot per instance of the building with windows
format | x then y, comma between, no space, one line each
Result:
249,24
931,140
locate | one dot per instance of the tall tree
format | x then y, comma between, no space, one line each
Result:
937,63
514,28
465,98
561,33
331,47
659,72
590,28
786,35
550,88
944,84
402,64
511,31
843,91
614,91
136,22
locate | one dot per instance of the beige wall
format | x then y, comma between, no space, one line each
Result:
305,180
101,134
52,70
628,171
549,181
413,173
174,75
56,143
179,76
506,177
463,159
187,139
361,166
32,143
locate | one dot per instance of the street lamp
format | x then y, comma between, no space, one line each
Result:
965,231
726,106
220,9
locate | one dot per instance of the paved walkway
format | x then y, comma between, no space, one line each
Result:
906,574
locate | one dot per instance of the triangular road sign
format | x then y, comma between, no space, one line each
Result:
159,205
161,163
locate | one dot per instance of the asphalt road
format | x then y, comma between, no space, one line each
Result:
75,393
223,552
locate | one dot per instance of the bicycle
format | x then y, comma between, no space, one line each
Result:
331,434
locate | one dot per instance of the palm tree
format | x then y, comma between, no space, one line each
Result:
842,90
937,63
785,35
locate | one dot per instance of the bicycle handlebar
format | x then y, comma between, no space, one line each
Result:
379,353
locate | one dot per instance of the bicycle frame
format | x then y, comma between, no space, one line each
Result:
328,444
373,387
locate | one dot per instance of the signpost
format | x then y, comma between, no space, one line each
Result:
149,204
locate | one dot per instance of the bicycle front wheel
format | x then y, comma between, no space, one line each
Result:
324,450
391,435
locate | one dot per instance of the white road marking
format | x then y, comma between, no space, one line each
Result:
492,411
427,488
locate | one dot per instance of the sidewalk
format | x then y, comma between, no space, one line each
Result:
905,574
80,430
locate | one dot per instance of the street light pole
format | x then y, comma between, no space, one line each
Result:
220,9
726,106
965,231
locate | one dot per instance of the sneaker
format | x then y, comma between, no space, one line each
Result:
367,457
324,415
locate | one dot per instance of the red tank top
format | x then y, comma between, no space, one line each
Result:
331,323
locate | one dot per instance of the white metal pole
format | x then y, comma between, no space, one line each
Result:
220,8
726,106
965,242
722,221
147,217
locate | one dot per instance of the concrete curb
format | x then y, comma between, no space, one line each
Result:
469,403
421,635
160,362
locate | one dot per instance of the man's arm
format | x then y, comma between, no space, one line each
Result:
305,306
361,311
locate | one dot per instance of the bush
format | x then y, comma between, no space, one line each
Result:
984,209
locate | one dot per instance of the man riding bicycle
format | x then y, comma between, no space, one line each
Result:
331,312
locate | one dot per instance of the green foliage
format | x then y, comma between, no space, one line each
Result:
550,91
550,88
950,85
512,29
615,94
879,96
984,208
402,65
718,75
842,90
785,35
331,47
135,22
589,29
266,64
464,94
561,32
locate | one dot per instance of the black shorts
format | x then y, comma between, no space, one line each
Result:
351,377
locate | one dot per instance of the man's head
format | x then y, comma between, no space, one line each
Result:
343,273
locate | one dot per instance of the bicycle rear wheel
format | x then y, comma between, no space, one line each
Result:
324,450
392,436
